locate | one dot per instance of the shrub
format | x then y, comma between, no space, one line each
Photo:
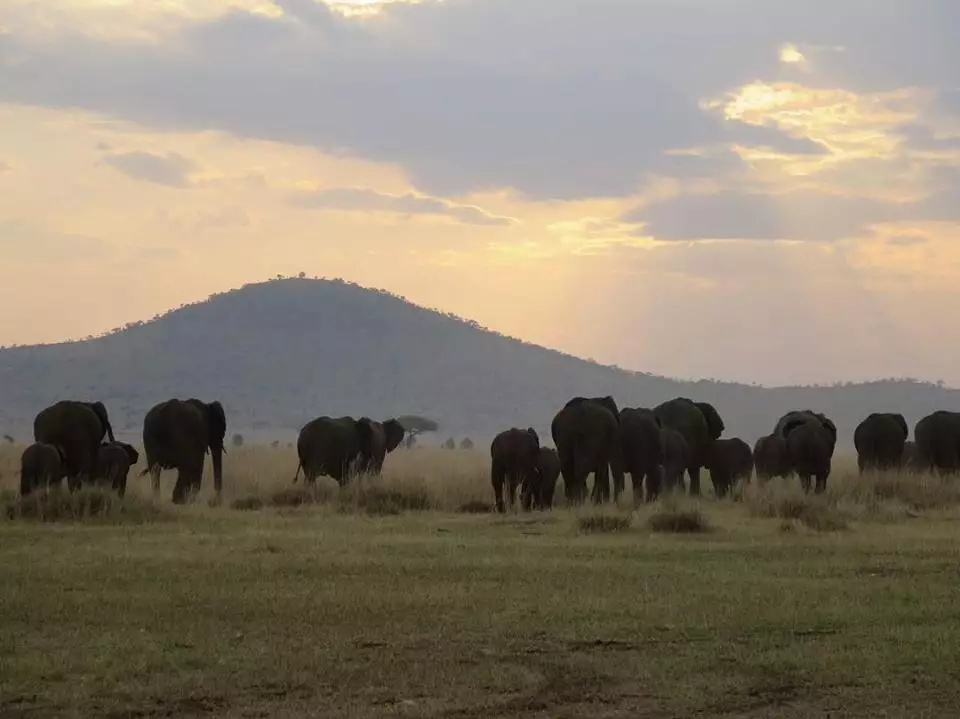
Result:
815,512
380,500
604,523
679,520
296,496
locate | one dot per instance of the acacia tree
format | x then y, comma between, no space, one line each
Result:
414,425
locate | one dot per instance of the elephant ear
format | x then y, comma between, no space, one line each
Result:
217,420
714,421
132,454
902,422
792,424
829,425
395,432
536,437
100,410
365,432
575,402
610,404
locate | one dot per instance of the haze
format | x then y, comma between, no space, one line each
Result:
742,189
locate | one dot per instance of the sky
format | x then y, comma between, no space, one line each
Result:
763,191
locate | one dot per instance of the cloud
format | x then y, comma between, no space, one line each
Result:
366,200
26,242
802,215
170,170
415,91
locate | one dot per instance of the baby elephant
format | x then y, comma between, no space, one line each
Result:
41,465
114,460
537,490
729,460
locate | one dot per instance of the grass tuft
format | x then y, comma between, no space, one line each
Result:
385,500
247,503
815,512
604,523
675,518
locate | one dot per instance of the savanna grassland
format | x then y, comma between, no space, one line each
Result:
394,600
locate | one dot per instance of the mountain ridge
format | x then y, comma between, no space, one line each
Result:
280,352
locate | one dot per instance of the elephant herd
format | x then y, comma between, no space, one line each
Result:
657,447
74,440
69,444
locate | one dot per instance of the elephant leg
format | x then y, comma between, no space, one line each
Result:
805,482
497,477
636,481
601,483
821,483
654,482
694,473
180,488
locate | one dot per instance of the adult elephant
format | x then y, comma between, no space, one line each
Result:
336,447
937,438
811,438
177,434
114,460
729,461
771,458
77,428
41,465
700,424
640,451
674,459
586,434
537,491
879,441
384,438
514,454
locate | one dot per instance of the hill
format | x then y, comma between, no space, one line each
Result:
280,352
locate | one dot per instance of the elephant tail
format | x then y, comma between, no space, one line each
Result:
297,475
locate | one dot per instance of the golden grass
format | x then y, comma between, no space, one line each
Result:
399,597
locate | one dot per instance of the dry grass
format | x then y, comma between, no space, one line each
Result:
604,523
399,597
678,517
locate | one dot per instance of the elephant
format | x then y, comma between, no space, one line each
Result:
879,441
41,465
114,460
337,447
771,458
700,424
729,460
177,434
537,491
77,428
937,438
640,451
514,454
384,438
586,434
674,458
811,438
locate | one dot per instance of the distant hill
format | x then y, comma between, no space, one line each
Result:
280,352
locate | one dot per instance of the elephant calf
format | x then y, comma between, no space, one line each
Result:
114,460
674,458
770,457
514,454
536,492
728,461
41,465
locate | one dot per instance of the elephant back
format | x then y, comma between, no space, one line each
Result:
684,416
